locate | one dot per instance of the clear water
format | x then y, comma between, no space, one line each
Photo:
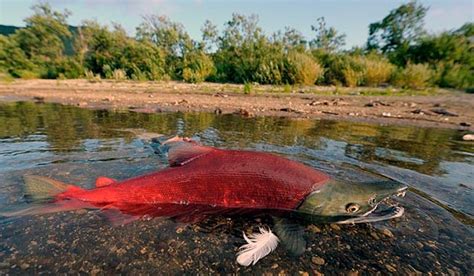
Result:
76,146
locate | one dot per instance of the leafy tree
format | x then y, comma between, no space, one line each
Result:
43,38
326,38
210,36
397,31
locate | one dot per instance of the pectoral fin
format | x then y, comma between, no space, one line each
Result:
291,235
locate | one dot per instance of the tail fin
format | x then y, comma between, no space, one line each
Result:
41,189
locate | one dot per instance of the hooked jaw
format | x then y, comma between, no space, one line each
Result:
373,215
348,203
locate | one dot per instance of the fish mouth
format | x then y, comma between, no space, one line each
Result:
378,213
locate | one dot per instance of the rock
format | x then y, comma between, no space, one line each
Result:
38,99
289,109
444,112
374,235
387,233
386,114
468,137
244,113
376,103
318,260
303,273
220,95
24,266
390,268
314,229
274,266
50,242
335,227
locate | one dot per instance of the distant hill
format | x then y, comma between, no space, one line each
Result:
8,30
68,44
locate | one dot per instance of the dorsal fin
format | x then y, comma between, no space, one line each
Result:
184,150
103,181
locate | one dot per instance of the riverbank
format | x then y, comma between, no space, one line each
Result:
435,108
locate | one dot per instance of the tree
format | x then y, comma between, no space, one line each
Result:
395,33
210,37
170,37
43,38
326,38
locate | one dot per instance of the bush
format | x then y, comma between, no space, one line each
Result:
352,77
414,76
119,75
375,70
197,67
453,75
301,68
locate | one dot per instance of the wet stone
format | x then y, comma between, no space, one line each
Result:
335,227
318,260
390,268
387,233
314,229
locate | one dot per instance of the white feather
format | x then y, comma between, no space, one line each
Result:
258,246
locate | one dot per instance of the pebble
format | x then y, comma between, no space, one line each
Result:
318,260
335,227
374,235
24,266
303,273
390,268
274,266
314,229
387,233
468,137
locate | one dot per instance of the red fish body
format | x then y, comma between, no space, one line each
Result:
206,177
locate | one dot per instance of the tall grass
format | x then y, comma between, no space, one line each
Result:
414,76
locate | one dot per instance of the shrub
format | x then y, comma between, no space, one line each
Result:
197,67
301,68
375,70
415,76
119,75
248,87
352,77
453,75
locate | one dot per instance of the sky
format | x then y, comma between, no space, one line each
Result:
351,17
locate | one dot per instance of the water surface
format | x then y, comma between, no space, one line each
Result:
77,145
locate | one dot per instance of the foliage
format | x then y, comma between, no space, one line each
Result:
398,51
414,76
302,69
197,67
397,31
376,69
326,38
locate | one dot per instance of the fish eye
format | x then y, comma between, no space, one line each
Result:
352,208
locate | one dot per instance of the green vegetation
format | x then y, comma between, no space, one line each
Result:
399,52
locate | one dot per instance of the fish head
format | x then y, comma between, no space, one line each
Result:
348,202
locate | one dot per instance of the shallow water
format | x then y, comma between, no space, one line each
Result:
77,145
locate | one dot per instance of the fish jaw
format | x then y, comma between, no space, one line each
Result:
332,203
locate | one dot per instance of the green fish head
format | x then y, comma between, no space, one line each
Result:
347,202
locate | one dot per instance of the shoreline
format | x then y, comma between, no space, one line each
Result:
445,109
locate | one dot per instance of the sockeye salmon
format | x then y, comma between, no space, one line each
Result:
203,181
